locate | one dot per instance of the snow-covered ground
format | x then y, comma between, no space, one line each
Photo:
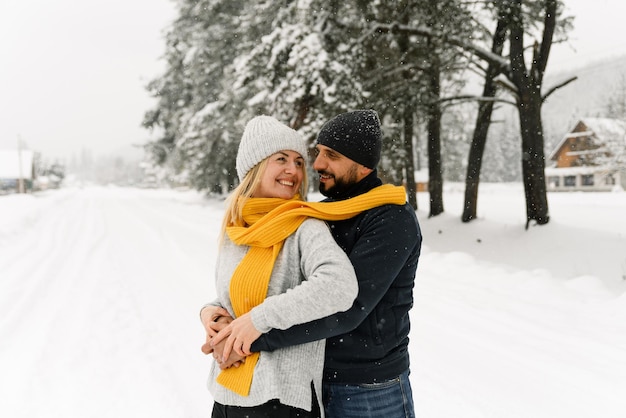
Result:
100,290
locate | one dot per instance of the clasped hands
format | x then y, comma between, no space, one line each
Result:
228,339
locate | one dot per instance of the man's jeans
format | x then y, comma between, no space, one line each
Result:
389,399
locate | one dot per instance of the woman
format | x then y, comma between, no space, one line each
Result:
272,275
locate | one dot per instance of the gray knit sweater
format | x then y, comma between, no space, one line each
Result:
312,278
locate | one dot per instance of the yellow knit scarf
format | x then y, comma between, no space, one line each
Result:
271,221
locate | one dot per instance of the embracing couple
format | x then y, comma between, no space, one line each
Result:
311,317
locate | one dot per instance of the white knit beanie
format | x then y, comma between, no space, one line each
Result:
263,137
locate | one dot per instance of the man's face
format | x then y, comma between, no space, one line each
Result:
337,172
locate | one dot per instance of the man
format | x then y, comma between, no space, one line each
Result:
366,370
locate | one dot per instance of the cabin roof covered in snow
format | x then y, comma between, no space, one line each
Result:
605,129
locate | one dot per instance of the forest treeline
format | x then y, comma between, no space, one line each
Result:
305,61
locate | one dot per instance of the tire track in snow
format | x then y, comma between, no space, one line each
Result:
117,299
38,267
42,291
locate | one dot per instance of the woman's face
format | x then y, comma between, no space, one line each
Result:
283,175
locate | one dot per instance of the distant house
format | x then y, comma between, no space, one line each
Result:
421,180
590,157
16,165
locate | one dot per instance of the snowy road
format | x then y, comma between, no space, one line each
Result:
100,290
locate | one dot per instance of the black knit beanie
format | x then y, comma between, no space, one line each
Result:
354,134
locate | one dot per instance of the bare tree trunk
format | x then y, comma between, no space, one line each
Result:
435,169
483,121
533,163
407,117
475,159
408,148
302,110
529,102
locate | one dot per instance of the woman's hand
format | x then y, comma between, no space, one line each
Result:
213,319
238,335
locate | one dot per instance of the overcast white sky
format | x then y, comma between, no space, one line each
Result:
73,72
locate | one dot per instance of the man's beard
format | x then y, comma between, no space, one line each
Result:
341,184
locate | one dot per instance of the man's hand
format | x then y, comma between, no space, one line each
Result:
214,319
233,360
238,336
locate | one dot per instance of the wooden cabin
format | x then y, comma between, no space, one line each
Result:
591,157
421,180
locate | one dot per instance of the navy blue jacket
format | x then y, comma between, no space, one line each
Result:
369,342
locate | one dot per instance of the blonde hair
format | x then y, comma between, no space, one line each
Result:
233,214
